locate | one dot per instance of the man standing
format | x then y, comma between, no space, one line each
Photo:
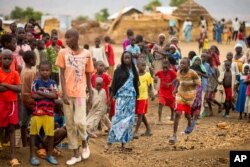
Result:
236,27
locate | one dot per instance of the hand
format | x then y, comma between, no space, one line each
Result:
65,99
184,84
168,85
152,95
155,80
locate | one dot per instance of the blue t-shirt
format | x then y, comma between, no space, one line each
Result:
204,81
44,106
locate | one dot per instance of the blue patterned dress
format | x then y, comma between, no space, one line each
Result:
123,120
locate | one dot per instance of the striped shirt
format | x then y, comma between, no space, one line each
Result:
187,94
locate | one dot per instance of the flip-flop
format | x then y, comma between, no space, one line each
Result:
41,153
190,129
56,152
51,160
14,163
34,161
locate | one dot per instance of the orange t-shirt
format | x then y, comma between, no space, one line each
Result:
75,66
9,78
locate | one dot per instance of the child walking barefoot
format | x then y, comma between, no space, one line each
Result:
142,101
188,80
167,78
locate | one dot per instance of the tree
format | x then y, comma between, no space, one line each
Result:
19,13
82,18
102,15
176,2
152,5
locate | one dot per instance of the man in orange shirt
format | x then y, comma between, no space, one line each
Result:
76,66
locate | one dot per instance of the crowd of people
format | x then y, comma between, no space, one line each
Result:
50,91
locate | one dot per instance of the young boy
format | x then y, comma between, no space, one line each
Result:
44,93
27,77
110,55
142,101
126,41
167,78
234,66
100,67
228,80
98,52
76,66
187,82
40,53
134,49
10,85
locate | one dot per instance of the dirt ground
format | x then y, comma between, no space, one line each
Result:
208,145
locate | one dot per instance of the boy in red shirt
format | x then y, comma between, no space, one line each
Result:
167,77
110,55
10,85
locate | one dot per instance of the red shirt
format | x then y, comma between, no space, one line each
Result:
58,43
111,56
215,60
106,82
35,35
9,78
166,78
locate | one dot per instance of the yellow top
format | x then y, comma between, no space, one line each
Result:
145,82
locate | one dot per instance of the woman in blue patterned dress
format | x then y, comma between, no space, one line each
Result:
125,91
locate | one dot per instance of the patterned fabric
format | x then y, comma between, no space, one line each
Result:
196,107
51,55
123,120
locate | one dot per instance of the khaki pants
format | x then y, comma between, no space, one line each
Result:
75,119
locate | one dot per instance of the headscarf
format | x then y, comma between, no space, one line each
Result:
162,35
238,45
172,45
201,65
243,67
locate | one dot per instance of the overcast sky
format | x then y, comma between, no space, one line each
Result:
217,8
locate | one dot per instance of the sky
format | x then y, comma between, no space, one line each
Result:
218,8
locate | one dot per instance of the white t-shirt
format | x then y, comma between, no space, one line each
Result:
236,25
204,23
99,55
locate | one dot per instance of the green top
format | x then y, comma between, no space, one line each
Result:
51,55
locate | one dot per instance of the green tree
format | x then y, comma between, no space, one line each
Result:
176,2
16,13
102,15
152,5
82,18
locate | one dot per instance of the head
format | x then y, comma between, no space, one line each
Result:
238,48
126,59
228,65
40,45
165,65
29,36
86,46
54,39
236,19
54,32
202,18
191,55
21,35
172,48
139,39
13,27
184,63
46,37
214,49
98,83
141,64
246,68
71,38
162,38
32,21
132,40
100,67
204,57
97,42
107,39
29,27
196,61
7,58
33,44
130,33
174,41
29,58
45,69
230,56
8,42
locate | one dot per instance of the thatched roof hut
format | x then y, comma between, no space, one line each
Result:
192,10
149,25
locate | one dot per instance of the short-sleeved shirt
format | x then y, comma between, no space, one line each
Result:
27,78
75,66
125,43
58,43
166,78
133,50
187,94
18,57
145,82
44,106
111,56
204,80
106,82
12,78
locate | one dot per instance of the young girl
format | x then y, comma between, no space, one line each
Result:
199,68
240,104
125,90
99,53
229,35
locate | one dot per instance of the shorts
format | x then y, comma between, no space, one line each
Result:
229,94
183,108
141,106
170,102
45,121
112,109
9,113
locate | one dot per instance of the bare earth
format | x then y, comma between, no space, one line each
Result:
208,145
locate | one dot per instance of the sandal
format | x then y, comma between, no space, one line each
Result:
34,161
42,153
172,140
56,152
14,163
51,160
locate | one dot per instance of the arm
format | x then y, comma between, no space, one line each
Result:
65,96
36,96
2,88
89,88
151,92
176,87
16,88
51,95
40,28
